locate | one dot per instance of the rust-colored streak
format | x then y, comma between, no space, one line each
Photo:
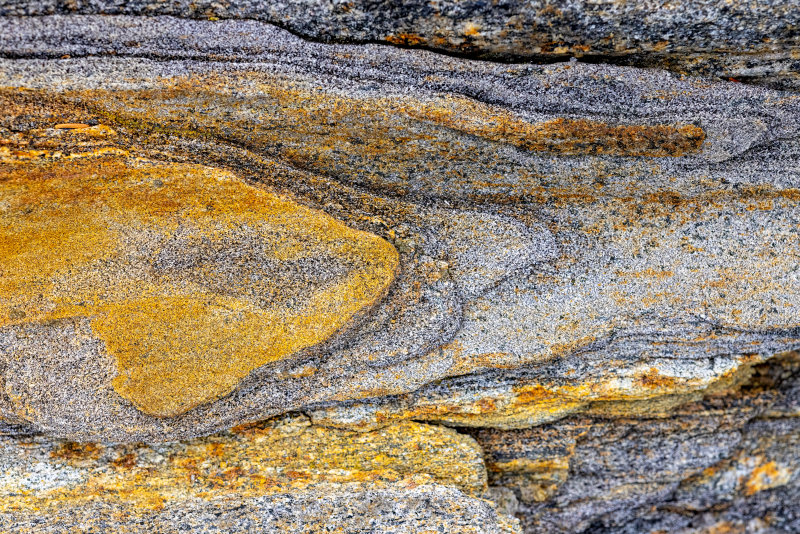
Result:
653,379
591,137
406,39
71,126
564,136
69,450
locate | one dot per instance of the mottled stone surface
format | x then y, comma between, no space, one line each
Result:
634,231
748,41
188,294
354,279
729,461
284,475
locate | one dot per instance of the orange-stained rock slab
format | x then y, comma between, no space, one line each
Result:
190,277
257,469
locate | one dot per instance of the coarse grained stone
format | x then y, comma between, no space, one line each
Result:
366,507
281,475
187,294
726,460
596,233
748,41
590,270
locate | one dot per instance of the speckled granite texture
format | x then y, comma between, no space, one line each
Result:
250,280
745,40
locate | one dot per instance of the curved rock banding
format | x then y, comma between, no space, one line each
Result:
625,222
191,278
592,269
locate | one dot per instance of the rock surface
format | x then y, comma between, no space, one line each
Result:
591,269
748,41
728,461
186,293
611,221
284,475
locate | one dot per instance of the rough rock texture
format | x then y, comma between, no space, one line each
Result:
745,40
592,269
611,222
183,292
729,461
281,476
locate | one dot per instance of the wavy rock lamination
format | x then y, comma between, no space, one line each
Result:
206,224
190,279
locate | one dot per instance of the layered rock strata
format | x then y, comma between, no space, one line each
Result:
205,224
575,233
725,463
748,41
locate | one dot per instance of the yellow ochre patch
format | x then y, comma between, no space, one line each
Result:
191,277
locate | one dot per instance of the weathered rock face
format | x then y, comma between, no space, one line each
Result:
187,296
512,223
590,268
285,476
748,41
728,461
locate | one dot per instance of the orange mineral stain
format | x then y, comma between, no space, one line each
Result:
71,126
190,277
